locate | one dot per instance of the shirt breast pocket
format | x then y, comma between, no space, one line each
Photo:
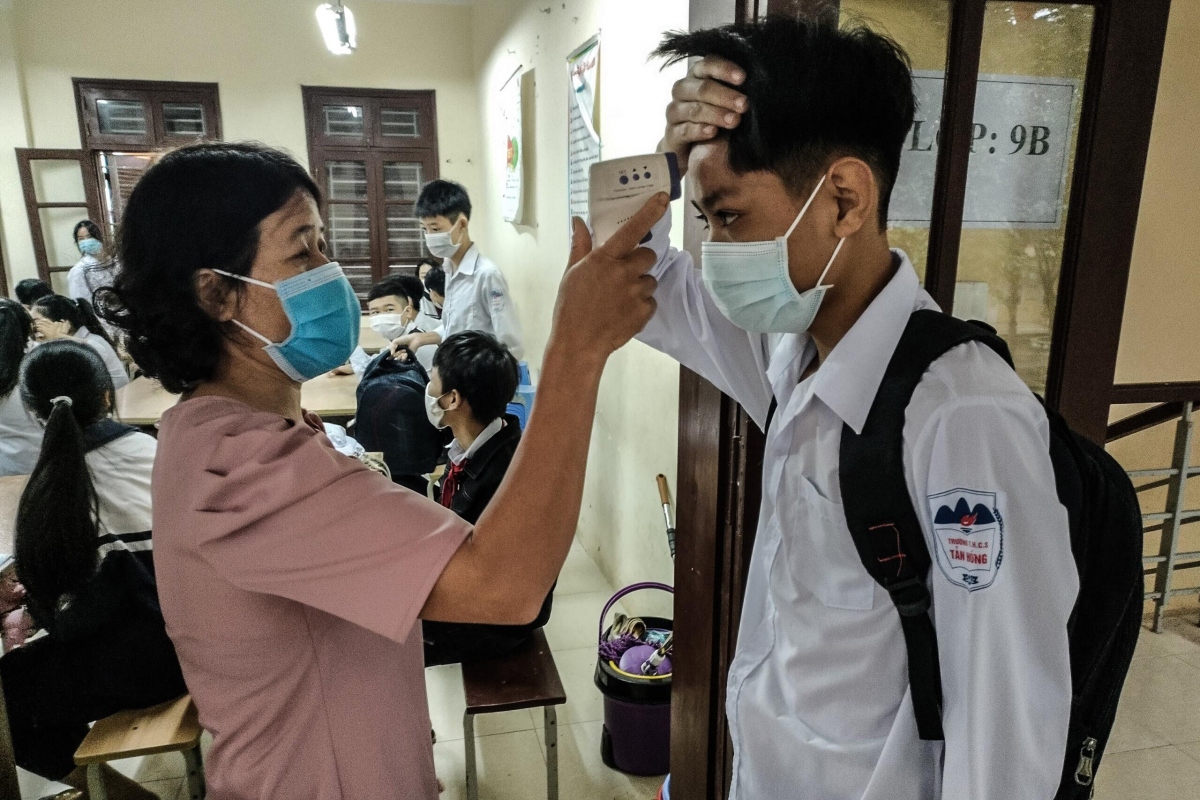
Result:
820,551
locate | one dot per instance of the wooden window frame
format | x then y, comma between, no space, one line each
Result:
153,94
90,208
373,148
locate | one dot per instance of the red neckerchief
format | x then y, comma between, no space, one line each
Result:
450,482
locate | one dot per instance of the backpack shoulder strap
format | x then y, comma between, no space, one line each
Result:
879,512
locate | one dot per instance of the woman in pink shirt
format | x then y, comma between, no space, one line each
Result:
291,577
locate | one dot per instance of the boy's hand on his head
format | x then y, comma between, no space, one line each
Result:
606,297
701,105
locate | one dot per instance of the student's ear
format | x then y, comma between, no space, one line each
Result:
214,296
857,194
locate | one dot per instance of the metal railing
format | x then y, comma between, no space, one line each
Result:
1169,523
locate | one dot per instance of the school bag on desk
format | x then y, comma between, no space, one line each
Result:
1105,524
391,419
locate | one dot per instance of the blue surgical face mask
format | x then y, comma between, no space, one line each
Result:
751,285
90,247
324,313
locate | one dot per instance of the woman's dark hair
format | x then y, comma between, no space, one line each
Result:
66,384
92,228
30,290
481,369
198,207
435,280
15,327
79,313
816,92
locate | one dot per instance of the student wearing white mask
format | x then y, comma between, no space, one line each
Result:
95,267
394,306
476,294
792,133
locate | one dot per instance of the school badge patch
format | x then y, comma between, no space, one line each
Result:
968,526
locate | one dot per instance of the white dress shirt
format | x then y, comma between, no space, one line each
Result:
20,435
87,276
112,361
818,699
456,452
477,299
121,471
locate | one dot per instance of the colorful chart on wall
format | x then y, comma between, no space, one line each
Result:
512,203
583,122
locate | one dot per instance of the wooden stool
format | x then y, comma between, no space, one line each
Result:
164,728
525,678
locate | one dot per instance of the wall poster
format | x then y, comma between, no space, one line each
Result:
583,123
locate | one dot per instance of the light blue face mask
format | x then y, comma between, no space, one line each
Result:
324,313
90,247
751,285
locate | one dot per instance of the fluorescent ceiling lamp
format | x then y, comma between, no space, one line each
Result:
337,26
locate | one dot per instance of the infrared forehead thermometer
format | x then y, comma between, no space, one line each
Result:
618,188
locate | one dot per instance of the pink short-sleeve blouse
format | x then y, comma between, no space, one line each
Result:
291,578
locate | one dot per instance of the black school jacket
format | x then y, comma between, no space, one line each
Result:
481,478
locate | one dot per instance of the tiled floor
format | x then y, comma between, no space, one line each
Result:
510,747
1154,753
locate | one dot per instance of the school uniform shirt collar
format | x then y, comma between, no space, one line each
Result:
456,452
469,262
849,379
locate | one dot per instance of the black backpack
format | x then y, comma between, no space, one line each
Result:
1106,540
391,417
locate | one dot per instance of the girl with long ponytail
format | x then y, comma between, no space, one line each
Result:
83,553
58,317
20,433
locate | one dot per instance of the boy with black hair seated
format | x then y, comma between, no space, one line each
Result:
430,315
393,305
474,376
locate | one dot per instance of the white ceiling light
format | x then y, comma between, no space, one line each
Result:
337,26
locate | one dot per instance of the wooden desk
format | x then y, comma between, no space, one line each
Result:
11,487
143,401
368,339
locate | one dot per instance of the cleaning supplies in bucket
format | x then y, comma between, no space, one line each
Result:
633,672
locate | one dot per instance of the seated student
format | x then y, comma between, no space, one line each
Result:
431,313
58,317
82,552
393,305
474,377
30,290
435,289
20,433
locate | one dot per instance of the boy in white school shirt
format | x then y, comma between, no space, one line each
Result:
807,149
476,296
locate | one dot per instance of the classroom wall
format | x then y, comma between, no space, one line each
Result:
1159,336
260,52
635,431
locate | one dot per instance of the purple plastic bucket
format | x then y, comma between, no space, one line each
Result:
636,738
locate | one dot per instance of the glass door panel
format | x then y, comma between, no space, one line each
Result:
920,27
1031,73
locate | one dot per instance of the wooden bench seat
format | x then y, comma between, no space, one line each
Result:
525,678
165,728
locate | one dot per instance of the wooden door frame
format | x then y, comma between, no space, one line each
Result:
720,449
91,192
